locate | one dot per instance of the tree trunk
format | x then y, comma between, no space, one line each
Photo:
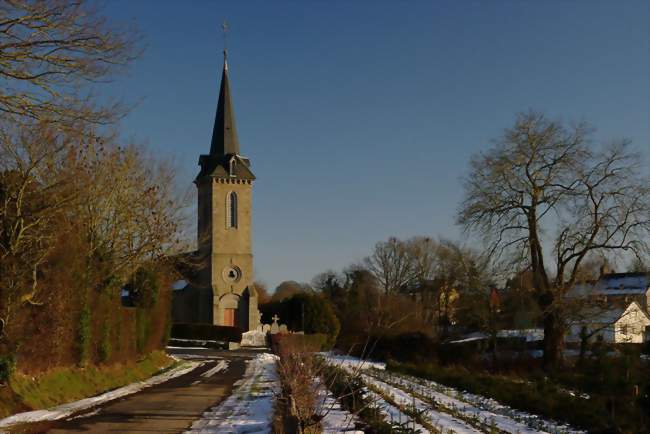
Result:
552,341
583,350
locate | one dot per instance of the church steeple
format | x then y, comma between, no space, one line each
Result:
224,160
224,132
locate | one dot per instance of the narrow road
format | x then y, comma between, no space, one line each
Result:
170,407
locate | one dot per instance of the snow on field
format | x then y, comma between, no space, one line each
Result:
470,412
249,409
393,414
512,423
336,420
352,363
65,410
443,421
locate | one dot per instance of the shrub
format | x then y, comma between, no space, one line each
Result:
206,332
7,366
351,393
306,343
105,347
311,313
84,334
141,329
404,347
297,368
143,288
541,397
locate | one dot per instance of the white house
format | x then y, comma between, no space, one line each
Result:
617,307
629,325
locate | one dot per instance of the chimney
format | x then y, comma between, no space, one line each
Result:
604,268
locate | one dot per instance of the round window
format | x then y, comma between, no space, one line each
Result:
231,274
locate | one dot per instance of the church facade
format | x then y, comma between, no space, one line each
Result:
221,290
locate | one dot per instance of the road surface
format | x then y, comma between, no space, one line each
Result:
169,407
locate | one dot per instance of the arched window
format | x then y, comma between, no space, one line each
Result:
231,210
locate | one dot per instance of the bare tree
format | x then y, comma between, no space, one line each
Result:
542,178
391,264
127,207
33,195
50,50
121,202
423,253
463,274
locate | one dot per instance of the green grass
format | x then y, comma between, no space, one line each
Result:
63,385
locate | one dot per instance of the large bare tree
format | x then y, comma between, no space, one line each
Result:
50,51
543,194
391,264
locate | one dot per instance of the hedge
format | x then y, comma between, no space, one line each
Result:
313,342
539,397
207,332
403,347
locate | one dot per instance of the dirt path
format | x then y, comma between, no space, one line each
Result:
170,407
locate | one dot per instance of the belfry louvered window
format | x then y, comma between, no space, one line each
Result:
231,210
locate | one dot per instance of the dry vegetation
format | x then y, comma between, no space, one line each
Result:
81,213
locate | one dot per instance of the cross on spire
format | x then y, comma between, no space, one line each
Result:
224,132
225,27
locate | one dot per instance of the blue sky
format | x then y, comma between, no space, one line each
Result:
360,117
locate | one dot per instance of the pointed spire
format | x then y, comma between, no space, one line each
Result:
224,133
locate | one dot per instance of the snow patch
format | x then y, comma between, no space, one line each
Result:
250,407
65,410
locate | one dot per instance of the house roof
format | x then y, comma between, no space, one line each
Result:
631,283
614,284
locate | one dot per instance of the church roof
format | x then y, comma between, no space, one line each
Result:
224,160
233,166
224,132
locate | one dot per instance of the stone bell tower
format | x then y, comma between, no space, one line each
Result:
225,189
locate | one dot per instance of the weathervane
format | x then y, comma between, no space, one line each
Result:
225,27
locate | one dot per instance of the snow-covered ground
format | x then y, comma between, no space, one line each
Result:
250,407
352,364
445,408
65,410
394,414
336,420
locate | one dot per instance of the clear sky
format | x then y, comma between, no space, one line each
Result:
360,117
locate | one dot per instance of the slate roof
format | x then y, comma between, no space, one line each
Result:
224,132
224,160
614,284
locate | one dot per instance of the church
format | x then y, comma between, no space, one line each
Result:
221,289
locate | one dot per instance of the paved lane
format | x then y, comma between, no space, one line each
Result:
170,407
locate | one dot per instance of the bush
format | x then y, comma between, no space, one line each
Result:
541,397
311,313
351,393
404,347
105,347
309,343
143,288
207,332
7,366
85,334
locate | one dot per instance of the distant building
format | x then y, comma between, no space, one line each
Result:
221,291
615,307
